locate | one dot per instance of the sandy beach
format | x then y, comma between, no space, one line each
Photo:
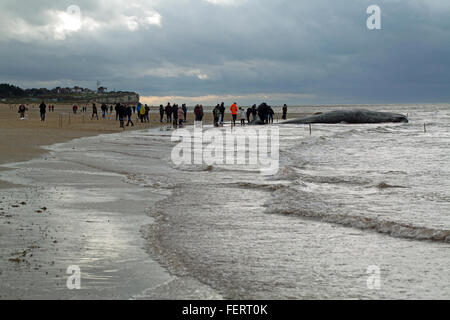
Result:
22,139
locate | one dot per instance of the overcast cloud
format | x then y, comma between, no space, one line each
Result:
295,52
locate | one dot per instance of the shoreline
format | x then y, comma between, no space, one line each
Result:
25,140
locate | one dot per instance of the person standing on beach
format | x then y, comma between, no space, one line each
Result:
175,115
122,115
185,110
222,113
243,116
202,113
147,113
234,111
249,112
22,110
141,112
285,110
216,115
197,113
161,113
271,114
129,113
104,109
75,109
254,113
169,113
43,110
94,111
180,117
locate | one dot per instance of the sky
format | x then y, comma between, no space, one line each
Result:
246,51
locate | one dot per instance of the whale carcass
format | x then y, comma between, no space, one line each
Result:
351,116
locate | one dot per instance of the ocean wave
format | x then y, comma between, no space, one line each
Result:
384,185
388,227
145,181
256,186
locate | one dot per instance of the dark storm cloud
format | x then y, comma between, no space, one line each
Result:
322,50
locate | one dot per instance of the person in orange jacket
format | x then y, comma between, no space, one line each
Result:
234,111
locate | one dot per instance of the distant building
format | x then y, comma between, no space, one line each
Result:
102,90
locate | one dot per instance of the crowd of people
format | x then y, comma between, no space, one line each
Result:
173,114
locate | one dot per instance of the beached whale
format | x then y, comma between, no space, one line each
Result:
351,116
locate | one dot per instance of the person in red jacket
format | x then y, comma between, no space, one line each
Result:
234,111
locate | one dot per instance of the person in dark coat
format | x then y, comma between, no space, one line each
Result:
175,115
285,110
94,111
185,110
122,115
43,110
129,113
169,113
222,113
147,113
271,114
161,113
249,113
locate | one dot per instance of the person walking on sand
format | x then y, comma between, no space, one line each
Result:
180,117
129,113
285,111
161,113
243,116
94,111
75,109
234,111
22,110
43,110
